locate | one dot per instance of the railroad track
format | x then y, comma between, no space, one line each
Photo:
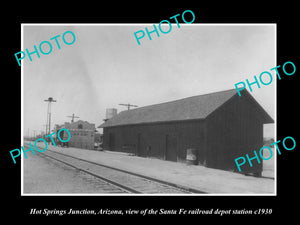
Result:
120,181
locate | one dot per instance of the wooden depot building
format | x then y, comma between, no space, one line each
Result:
219,126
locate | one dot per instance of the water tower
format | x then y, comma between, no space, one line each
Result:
111,112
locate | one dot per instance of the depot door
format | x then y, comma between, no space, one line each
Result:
171,148
111,142
141,146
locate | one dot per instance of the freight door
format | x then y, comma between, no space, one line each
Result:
111,142
171,148
141,146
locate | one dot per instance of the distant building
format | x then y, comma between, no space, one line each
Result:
82,134
219,126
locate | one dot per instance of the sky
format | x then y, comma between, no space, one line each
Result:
105,66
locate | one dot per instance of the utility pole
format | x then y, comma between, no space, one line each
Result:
73,116
48,126
128,105
46,130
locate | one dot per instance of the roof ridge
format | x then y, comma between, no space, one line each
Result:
195,96
171,111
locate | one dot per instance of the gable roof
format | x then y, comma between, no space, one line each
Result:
74,125
191,108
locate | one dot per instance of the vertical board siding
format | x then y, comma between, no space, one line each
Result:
229,132
150,140
235,129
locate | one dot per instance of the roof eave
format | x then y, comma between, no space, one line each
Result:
266,117
151,123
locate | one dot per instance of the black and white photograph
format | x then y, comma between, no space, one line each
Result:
157,116
139,112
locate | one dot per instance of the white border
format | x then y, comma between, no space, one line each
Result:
143,24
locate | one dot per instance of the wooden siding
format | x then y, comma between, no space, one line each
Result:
167,141
233,130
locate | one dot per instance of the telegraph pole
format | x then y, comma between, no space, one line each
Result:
48,126
46,130
73,116
128,105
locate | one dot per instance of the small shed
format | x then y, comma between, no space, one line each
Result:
219,126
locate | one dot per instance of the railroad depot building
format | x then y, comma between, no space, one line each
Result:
219,126
82,134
